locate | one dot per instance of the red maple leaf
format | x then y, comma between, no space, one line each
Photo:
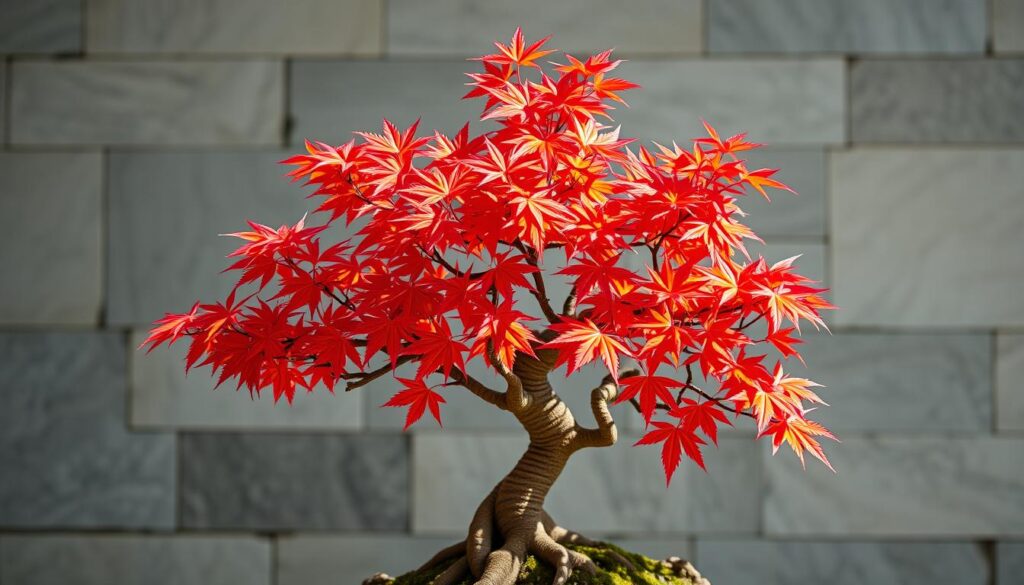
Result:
418,397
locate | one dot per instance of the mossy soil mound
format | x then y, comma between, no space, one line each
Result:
610,570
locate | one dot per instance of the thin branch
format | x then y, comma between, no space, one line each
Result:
360,379
540,291
569,305
476,387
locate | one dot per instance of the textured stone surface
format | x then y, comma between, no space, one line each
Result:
162,396
220,27
65,456
1009,562
839,26
775,101
1010,382
50,238
937,100
969,486
146,102
332,99
749,562
40,26
624,488
896,382
3,102
464,27
1008,26
153,560
166,211
297,482
898,261
787,215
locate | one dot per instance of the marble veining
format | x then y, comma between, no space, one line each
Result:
895,262
898,382
465,27
40,26
937,101
65,455
840,26
154,560
57,261
1010,382
218,27
287,482
901,486
147,102
781,102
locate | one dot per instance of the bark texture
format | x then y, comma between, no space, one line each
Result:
510,525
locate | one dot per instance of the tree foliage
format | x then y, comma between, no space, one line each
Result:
448,235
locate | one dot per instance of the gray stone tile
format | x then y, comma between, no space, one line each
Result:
102,559
767,562
295,482
910,249
463,27
1009,562
930,101
602,491
900,486
837,26
166,211
781,102
51,242
1008,26
147,102
332,99
1010,382
163,397
66,458
3,102
788,215
349,27
896,382
40,26
333,559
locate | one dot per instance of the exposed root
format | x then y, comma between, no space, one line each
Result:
563,536
563,560
480,541
453,574
503,565
449,552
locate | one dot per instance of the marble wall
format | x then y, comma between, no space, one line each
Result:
133,132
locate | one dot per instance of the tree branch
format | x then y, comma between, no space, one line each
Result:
605,434
476,387
515,398
540,291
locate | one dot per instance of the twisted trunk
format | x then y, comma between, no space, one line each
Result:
511,521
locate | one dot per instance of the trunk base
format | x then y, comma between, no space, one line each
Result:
607,558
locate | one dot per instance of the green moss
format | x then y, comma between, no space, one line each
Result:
610,571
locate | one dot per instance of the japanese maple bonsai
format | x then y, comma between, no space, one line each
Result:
453,234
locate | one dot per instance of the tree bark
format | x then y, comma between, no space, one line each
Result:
511,521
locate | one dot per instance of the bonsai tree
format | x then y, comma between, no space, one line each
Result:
448,237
